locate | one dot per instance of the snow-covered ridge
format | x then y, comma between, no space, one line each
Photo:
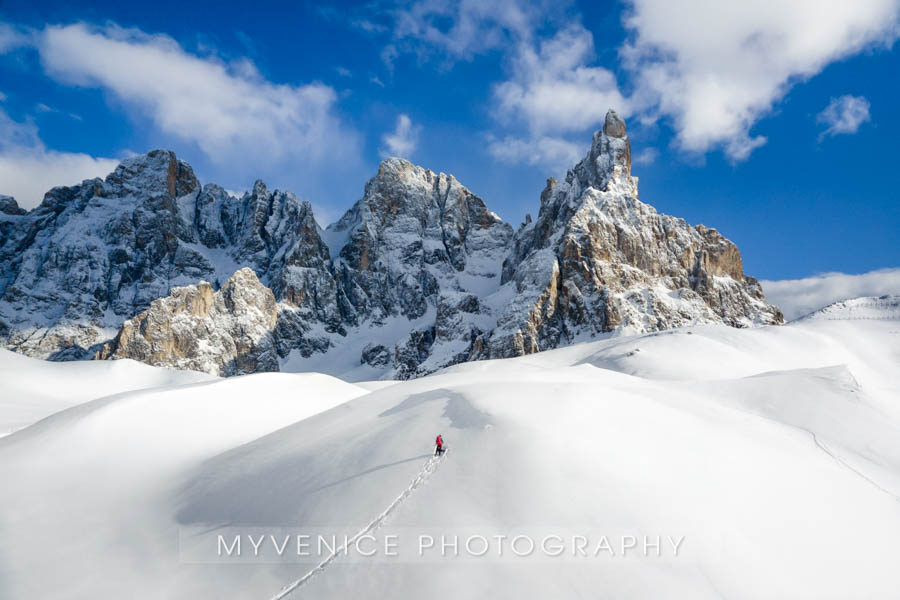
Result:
417,275
31,389
885,308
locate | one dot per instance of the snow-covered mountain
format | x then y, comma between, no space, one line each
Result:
91,256
419,274
774,452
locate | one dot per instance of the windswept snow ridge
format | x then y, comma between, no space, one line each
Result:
886,308
31,389
775,451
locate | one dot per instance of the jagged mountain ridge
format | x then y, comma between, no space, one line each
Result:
417,275
92,255
597,258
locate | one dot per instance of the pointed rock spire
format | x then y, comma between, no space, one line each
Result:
614,126
609,159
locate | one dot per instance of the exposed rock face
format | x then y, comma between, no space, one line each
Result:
93,255
9,206
229,332
597,259
412,233
417,275
416,243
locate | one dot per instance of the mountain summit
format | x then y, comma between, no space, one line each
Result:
417,275
597,259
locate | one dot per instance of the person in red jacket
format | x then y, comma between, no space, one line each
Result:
439,445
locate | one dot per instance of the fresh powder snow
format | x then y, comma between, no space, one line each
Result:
770,457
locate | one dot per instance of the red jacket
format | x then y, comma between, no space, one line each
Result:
439,441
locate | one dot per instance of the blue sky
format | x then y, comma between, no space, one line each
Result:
775,124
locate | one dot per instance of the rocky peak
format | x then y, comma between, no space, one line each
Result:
9,206
598,259
407,203
609,160
259,189
402,190
613,125
156,173
605,168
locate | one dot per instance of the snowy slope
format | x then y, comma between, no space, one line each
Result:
871,307
775,452
103,472
33,389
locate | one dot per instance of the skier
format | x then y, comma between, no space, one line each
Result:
439,445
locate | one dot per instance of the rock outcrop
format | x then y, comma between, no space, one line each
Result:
417,275
225,332
9,206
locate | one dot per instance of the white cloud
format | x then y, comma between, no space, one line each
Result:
716,68
844,115
799,297
554,89
403,140
555,153
463,28
713,69
28,169
388,55
11,38
646,156
228,110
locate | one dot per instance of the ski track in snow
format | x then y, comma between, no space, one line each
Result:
844,463
821,446
430,466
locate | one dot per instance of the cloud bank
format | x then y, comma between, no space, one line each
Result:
799,297
241,125
227,109
710,69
